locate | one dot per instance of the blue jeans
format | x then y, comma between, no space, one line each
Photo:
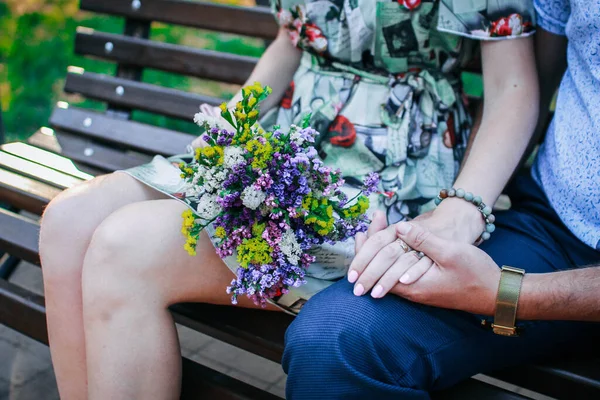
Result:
347,347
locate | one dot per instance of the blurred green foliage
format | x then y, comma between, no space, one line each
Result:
36,47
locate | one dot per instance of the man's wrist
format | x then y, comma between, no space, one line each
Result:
530,296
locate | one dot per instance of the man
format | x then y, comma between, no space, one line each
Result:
344,345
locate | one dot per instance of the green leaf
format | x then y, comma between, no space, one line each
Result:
306,121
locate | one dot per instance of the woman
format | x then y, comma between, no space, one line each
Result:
380,79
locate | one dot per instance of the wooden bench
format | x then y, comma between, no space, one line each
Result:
81,143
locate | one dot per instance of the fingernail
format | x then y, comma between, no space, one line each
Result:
359,290
403,228
405,279
377,291
352,276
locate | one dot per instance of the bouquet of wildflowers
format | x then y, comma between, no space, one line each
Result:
269,198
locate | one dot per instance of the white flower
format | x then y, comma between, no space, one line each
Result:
252,197
214,178
208,208
233,156
202,119
285,17
290,247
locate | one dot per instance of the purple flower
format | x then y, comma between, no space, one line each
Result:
371,183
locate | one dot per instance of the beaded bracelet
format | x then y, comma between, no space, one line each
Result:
486,211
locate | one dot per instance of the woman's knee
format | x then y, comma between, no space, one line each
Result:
61,234
121,264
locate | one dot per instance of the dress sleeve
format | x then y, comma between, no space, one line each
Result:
487,19
552,15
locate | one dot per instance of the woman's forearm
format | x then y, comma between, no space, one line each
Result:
276,69
510,115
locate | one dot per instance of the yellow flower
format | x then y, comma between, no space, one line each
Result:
190,249
252,102
209,151
239,106
254,251
257,89
240,116
220,232
258,229
223,107
253,114
219,151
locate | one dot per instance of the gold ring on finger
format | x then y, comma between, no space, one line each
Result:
406,248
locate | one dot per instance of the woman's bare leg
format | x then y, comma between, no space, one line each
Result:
66,231
134,269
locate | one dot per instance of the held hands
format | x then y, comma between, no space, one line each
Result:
380,256
454,275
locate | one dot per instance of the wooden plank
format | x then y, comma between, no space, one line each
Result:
45,158
567,378
19,236
25,193
200,382
260,332
23,311
136,95
474,389
37,171
86,152
249,21
135,135
184,60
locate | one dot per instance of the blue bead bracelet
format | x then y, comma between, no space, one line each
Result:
486,211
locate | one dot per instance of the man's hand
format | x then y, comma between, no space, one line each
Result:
462,277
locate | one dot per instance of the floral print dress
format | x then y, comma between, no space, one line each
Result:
380,80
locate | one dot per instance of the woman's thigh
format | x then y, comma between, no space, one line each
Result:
139,249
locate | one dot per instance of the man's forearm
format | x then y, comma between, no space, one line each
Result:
566,295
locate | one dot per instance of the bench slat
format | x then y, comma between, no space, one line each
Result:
135,135
137,95
25,193
19,236
184,60
562,379
46,158
37,171
249,21
86,152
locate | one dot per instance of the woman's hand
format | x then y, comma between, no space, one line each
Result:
381,258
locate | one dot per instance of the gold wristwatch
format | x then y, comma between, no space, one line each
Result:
507,300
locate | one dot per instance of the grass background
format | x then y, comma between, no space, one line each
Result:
36,47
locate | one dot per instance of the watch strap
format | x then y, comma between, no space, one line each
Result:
509,289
